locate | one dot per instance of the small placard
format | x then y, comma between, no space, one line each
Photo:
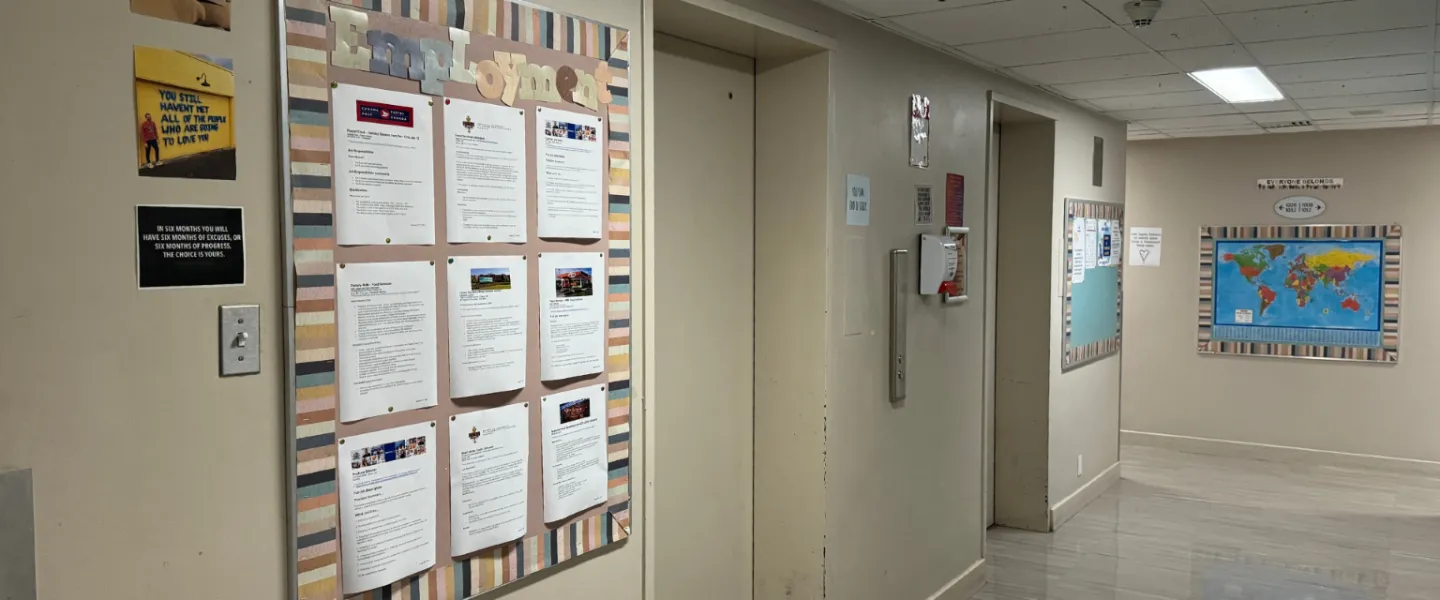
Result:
1301,183
924,205
1300,207
857,200
189,246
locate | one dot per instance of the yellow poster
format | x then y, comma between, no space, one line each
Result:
184,114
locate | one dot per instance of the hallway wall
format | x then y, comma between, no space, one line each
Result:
904,501
153,477
902,506
1180,185
1084,402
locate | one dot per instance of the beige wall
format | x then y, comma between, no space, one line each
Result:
904,497
1085,402
1180,185
154,478
112,372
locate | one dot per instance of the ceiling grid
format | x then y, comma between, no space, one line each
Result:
1342,64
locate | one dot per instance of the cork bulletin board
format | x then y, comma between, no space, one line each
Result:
543,37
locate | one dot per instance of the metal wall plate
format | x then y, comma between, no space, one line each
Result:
17,536
239,340
899,321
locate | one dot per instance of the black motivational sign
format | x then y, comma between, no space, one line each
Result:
190,246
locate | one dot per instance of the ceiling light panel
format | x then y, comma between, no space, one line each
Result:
1239,85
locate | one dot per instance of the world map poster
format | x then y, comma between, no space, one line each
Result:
1330,298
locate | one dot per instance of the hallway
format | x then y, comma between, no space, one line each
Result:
1190,527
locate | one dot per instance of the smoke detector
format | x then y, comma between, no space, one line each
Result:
1142,12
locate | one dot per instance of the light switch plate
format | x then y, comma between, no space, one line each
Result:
239,340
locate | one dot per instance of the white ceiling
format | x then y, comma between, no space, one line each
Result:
1343,64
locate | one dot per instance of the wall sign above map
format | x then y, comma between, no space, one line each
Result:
1301,183
1300,207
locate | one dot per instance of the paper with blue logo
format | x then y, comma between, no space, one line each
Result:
384,167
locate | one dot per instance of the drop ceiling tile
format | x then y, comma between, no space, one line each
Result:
1174,9
1002,20
1353,68
1365,100
1371,124
1156,101
1212,57
1259,107
1140,137
1215,131
1096,69
1174,34
1138,86
1411,40
1190,122
1229,6
895,8
1148,114
1371,112
1346,87
1136,127
1056,47
1333,18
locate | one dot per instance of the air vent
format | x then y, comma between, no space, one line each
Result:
1370,112
1285,125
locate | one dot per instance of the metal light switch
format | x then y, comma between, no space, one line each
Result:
239,340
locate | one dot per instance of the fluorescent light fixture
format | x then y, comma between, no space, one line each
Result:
1238,85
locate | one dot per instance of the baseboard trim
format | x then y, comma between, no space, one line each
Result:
1272,453
1066,509
966,585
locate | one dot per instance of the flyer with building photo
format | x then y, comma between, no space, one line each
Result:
572,315
184,114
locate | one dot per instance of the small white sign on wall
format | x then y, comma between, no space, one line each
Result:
1300,207
1301,183
1145,246
857,200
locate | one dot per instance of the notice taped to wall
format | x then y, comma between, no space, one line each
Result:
189,246
1145,246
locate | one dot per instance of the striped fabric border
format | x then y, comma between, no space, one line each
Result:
312,197
506,19
1389,350
1076,356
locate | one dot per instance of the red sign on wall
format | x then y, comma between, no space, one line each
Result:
954,200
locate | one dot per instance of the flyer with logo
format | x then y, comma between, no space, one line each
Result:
384,167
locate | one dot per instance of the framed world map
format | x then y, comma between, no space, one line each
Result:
1319,291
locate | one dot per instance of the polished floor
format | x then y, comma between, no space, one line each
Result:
1190,527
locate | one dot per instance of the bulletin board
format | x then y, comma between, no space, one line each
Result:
495,26
1301,291
1093,279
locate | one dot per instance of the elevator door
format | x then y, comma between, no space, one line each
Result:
703,400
